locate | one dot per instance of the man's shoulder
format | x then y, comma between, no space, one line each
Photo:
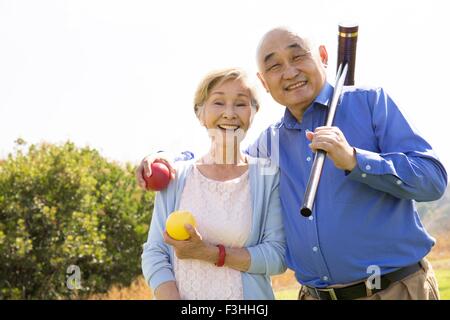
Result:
271,131
362,89
369,96
275,126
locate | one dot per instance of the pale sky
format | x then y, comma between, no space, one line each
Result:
120,76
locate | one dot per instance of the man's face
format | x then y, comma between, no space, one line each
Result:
289,70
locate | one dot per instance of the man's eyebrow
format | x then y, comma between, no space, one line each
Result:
291,46
268,56
295,46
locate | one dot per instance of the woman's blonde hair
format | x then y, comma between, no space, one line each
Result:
217,77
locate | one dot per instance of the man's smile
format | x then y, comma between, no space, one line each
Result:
296,85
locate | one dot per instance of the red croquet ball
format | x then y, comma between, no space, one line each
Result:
160,177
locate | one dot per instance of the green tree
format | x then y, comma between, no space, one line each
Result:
63,206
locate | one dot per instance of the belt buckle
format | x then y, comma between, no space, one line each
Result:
330,291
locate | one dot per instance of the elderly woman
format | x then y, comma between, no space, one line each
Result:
238,242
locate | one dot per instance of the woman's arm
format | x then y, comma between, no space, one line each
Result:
156,265
167,291
268,254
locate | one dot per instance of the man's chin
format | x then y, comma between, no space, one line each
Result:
292,100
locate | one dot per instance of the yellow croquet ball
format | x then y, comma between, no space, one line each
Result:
175,224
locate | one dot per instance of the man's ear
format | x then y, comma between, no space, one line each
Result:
260,77
323,54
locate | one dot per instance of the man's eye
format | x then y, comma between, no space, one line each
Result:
300,57
274,67
241,104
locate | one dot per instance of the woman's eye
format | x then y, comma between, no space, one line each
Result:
218,103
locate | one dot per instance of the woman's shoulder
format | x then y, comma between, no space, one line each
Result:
263,170
183,167
265,166
171,193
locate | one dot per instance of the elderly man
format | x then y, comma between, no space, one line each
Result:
364,239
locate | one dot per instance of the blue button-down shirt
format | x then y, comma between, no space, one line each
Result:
361,220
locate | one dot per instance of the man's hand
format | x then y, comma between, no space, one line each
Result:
332,140
192,248
146,163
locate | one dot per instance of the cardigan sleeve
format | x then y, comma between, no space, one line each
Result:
156,264
268,256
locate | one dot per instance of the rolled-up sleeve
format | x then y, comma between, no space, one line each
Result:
406,166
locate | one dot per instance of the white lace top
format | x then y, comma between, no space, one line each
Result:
223,212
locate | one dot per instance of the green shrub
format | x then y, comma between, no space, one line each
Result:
63,206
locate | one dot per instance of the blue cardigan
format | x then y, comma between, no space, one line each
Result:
266,242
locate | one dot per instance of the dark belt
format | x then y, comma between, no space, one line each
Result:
360,290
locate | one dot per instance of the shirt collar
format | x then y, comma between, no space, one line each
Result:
322,99
324,95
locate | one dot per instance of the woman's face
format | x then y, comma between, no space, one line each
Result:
228,110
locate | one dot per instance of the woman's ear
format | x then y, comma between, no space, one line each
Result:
201,116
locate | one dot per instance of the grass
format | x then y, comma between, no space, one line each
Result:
287,294
443,277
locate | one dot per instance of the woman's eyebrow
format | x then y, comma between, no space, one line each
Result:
223,93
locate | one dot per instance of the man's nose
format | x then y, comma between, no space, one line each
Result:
291,72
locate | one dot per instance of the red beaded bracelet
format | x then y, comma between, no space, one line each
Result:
221,261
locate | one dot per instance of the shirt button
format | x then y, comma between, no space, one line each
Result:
364,175
311,218
325,278
308,159
399,182
368,167
315,249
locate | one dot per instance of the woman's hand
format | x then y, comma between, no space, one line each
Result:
196,248
192,248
